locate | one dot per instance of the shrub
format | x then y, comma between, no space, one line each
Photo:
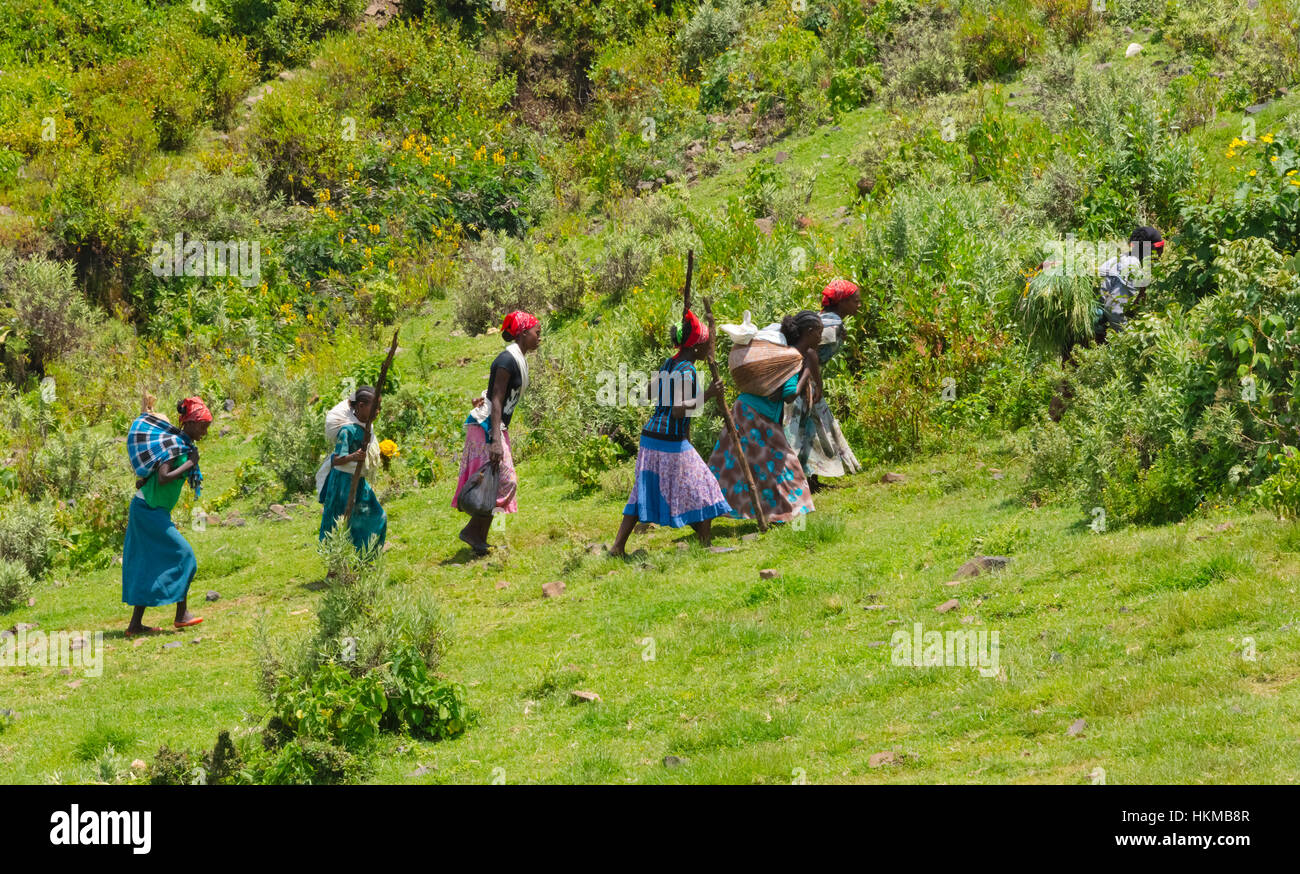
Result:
291,447
709,32
283,34
919,63
998,43
42,315
26,537
499,275
15,585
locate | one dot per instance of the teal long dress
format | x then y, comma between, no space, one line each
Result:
368,517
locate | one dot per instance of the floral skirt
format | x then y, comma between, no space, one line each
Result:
816,439
673,485
781,483
476,455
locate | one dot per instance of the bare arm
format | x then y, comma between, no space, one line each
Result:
167,473
500,385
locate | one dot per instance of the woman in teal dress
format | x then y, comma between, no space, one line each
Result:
369,524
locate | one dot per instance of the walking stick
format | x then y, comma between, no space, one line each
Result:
365,442
759,513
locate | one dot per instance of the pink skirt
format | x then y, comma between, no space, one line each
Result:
476,455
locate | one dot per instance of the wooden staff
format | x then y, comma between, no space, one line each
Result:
759,512
365,442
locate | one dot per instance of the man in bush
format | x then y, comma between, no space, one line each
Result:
1124,279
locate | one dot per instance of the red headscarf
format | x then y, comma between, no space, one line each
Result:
517,322
193,410
836,291
694,334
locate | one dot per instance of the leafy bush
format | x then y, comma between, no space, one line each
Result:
919,62
292,446
709,32
596,454
26,537
42,315
15,585
499,275
332,706
998,42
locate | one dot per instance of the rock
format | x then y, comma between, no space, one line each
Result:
950,604
804,222
65,672
420,771
825,156
780,157
893,478
229,404
23,626
577,696
196,640
224,432
874,607
874,643
31,602
769,574
553,590
645,185
750,537
968,620
765,225
1105,66
1056,658
74,684
278,513
641,527
1076,728
138,765
596,548
173,645
981,564
683,545
739,145
213,595
719,550
1133,49
865,185
672,762
233,521
839,212
1125,610
503,584
1226,526
879,760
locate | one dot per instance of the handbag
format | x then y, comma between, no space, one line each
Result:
478,497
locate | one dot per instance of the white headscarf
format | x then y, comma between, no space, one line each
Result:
339,417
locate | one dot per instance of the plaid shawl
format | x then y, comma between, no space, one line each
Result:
153,440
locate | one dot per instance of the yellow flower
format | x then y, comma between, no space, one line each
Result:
1266,138
388,449
1251,173
1272,157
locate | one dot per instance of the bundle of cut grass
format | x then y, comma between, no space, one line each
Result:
1057,309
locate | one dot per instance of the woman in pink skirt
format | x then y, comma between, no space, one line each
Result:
673,485
487,438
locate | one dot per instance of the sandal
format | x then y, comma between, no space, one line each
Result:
188,622
148,630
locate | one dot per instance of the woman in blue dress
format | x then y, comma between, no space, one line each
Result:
369,524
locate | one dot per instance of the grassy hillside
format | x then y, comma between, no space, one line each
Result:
434,171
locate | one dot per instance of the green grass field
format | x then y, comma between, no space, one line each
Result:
1178,646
